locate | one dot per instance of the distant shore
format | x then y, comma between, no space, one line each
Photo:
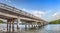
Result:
55,22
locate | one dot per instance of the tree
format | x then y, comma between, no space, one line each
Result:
1,21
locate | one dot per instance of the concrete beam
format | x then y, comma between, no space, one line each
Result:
13,16
8,15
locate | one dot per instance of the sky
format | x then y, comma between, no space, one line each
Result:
46,9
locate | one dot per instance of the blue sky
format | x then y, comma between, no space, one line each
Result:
45,9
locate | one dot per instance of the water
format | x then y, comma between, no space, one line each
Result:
51,28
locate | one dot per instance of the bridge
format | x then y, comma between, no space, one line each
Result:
12,14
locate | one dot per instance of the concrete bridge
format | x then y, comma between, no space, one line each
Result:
12,14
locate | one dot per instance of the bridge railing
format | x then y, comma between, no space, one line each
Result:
13,9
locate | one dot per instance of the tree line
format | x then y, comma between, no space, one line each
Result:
55,22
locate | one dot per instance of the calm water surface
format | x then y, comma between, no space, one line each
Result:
51,28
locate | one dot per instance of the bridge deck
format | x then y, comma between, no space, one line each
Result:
15,11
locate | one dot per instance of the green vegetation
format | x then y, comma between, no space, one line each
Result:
55,22
1,21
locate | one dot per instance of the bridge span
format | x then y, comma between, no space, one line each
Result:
11,14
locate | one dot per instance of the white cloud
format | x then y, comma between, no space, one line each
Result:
35,12
9,2
38,13
6,1
48,15
25,10
56,15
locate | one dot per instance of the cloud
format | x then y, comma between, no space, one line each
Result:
25,10
56,15
35,12
38,13
45,15
5,1
9,2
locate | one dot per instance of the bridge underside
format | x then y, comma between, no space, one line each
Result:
5,17
10,20
11,15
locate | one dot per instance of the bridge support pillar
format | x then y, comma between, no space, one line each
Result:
13,25
17,26
25,26
41,23
18,20
28,25
9,26
32,26
36,24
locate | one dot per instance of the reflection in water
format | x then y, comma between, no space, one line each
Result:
46,29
